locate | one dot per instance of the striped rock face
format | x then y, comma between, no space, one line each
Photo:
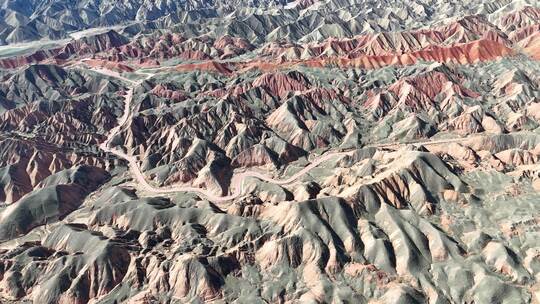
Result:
269,151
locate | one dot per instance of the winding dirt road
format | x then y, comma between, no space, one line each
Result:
238,178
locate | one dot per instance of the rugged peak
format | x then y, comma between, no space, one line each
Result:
269,151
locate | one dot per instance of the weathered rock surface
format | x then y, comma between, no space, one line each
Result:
308,151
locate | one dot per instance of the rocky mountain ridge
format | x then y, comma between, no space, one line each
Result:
329,151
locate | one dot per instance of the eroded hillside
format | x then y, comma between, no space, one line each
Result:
269,151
